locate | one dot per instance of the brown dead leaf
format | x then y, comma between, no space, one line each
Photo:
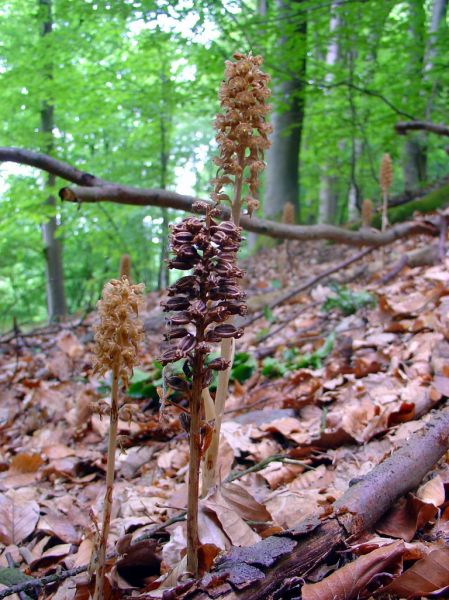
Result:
403,520
26,463
70,344
229,508
432,492
18,517
51,555
427,576
56,524
349,581
240,500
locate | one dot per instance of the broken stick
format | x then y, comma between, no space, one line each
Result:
257,572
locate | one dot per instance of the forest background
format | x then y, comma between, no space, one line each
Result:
126,90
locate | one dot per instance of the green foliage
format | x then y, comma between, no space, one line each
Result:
348,301
144,384
243,367
10,577
134,89
293,360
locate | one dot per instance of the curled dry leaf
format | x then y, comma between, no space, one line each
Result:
232,504
428,575
351,580
403,520
18,518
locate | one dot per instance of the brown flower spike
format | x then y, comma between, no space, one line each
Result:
117,339
200,304
386,179
242,131
118,335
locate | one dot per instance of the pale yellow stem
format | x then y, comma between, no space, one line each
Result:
107,509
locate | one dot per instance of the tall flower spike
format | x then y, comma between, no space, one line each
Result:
386,179
386,173
242,131
118,335
117,339
201,303
200,306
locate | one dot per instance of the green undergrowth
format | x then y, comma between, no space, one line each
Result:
292,360
346,300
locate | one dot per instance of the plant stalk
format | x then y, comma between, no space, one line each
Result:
194,466
385,211
107,508
227,350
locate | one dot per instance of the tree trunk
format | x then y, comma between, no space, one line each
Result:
437,27
415,150
282,178
52,245
329,182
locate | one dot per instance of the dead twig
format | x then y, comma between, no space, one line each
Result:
310,283
94,189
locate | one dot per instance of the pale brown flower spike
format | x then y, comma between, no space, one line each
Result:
288,214
367,212
242,140
117,340
119,333
242,132
385,180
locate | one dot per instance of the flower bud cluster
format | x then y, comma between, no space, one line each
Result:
386,173
242,130
200,303
120,330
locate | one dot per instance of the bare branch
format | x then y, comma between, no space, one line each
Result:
404,126
93,189
49,164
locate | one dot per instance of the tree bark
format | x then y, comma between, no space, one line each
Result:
328,208
256,572
438,21
56,303
415,150
283,158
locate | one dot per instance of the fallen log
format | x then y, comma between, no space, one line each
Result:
89,188
266,570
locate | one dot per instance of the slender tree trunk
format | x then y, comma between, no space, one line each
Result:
52,245
415,150
283,158
329,182
437,28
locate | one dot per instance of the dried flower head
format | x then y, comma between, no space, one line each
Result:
367,212
120,330
242,129
125,266
288,214
201,303
386,173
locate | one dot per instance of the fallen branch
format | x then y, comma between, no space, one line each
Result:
256,572
404,126
90,188
310,283
418,258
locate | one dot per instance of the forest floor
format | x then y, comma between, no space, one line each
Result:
325,386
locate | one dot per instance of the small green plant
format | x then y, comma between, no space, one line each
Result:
293,360
348,301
